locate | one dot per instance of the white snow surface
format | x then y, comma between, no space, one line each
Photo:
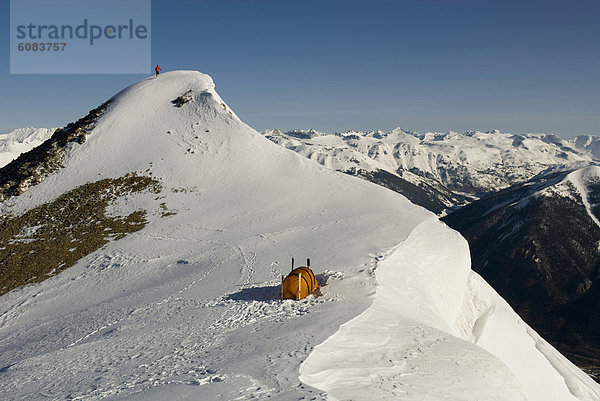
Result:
581,179
21,140
575,185
589,143
436,321
188,307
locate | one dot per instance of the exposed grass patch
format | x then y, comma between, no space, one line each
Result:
32,167
184,190
54,236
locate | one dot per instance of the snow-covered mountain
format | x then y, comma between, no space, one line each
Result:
20,141
498,231
163,224
444,166
589,143
537,244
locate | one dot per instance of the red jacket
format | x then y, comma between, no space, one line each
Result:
157,68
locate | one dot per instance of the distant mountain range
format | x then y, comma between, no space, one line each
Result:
451,169
529,205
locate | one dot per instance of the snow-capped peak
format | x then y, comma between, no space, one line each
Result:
187,306
21,140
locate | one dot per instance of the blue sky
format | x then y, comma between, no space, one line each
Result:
517,66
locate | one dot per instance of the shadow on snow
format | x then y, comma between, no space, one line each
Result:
265,293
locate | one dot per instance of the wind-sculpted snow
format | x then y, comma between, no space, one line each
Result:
536,243
187,308
435,321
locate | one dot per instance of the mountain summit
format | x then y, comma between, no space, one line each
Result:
143,248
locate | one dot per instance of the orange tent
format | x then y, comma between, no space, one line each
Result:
300,283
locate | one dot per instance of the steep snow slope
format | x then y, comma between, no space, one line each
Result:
187,308
537,244
582,179
190,299
431,321
21,140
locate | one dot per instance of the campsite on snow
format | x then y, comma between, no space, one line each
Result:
172,225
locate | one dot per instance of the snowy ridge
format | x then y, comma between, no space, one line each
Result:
581,179
21,140
183,307
537,244
187,308
375,356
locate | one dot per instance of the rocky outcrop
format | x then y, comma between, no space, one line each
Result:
33,167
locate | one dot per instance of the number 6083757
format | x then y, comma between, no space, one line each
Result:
41,47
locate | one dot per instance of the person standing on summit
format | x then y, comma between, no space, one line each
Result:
157,69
